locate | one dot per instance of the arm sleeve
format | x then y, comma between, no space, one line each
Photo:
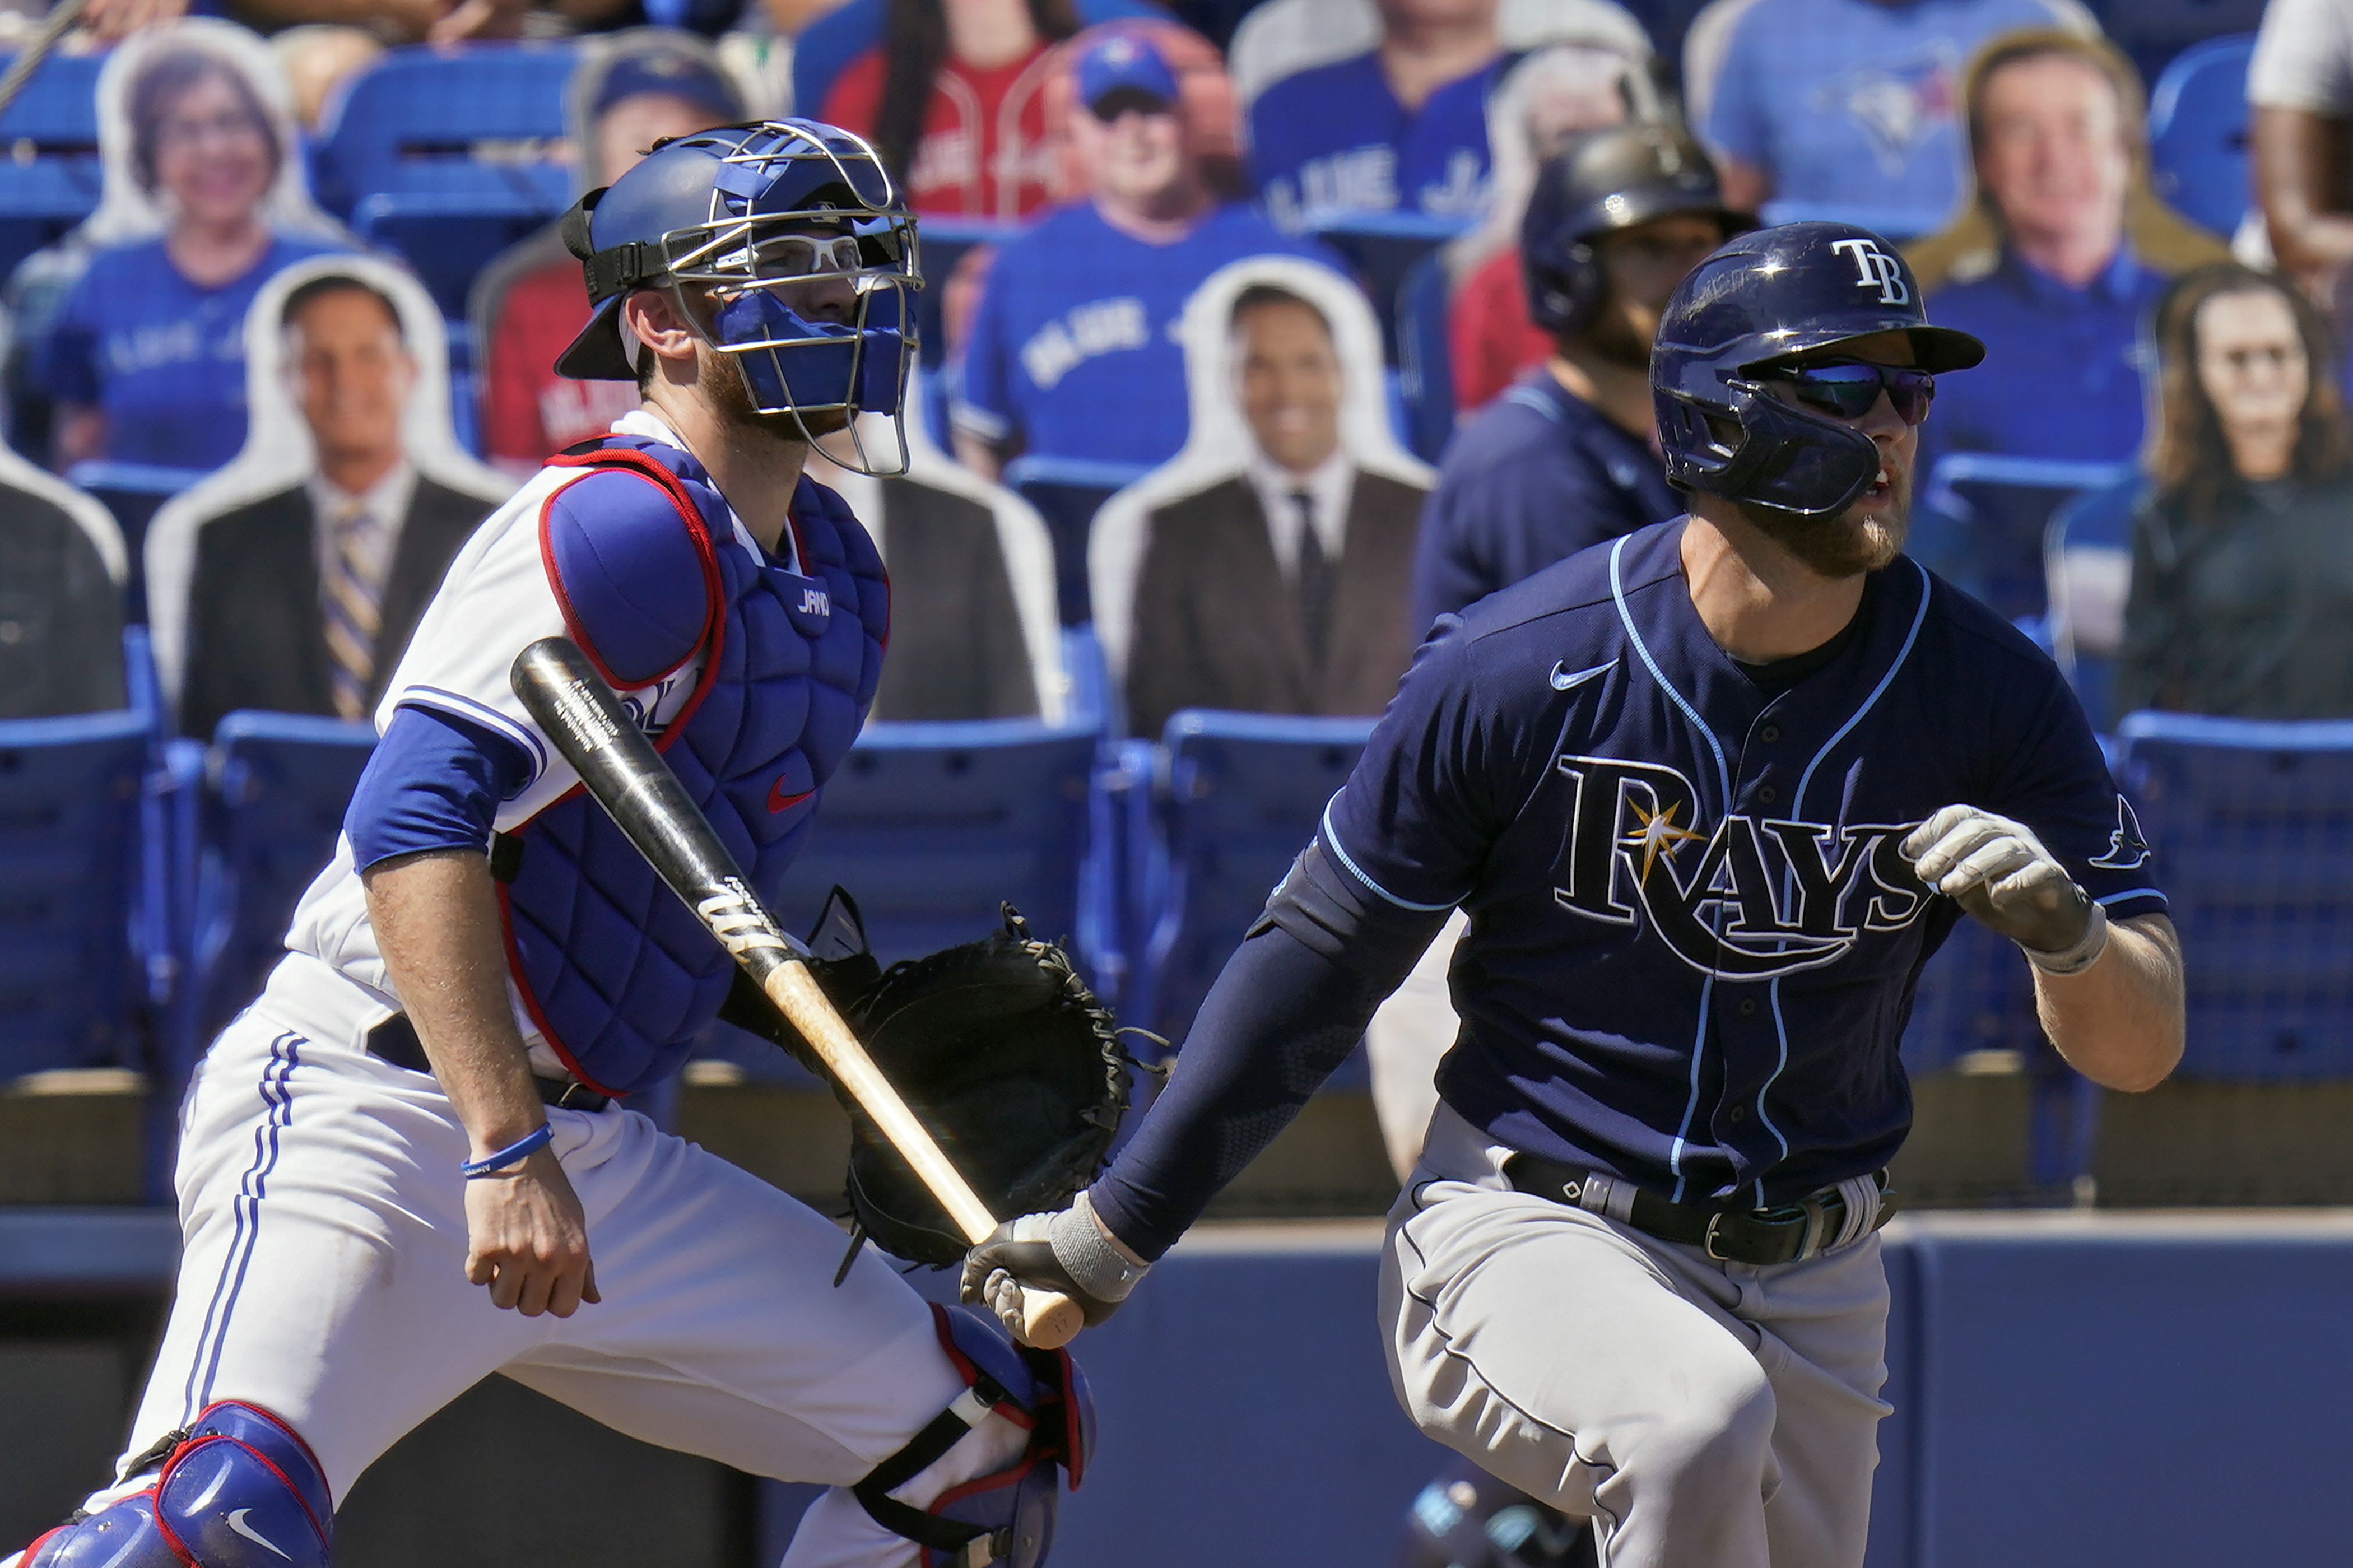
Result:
1355,913
2304,58
2057,782
434,782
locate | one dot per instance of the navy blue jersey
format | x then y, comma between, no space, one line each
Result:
1334,138
1693,940
1539,474
1073,351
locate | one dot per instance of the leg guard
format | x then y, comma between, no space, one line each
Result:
236,1490
1009,1517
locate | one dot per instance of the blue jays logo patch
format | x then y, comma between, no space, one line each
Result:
2126,847
1750,900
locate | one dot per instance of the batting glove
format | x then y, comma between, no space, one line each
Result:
1069,1252
2001,873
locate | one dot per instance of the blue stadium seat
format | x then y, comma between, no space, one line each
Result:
1066,492
2156,31
2087,564
931,824
2250,826
280,783
1242,795
1981,520
827,46
51,180
447,157
133,492
77,891
1974,995
2197,132
1383,250
1425,357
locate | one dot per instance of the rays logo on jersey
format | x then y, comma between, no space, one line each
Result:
1754,899
2126,848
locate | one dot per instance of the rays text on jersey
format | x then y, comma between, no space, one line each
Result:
1751,898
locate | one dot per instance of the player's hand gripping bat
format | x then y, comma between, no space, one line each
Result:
628,778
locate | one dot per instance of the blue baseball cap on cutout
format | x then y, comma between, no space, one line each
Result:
674,73
1124,63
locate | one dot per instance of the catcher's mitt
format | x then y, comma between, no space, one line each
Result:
996,1045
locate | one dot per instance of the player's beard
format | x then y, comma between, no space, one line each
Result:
1839,544
1614,339
721,383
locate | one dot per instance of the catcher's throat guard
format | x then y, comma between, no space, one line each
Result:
790,248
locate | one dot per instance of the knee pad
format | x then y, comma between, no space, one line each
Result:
1007,1517
238,1489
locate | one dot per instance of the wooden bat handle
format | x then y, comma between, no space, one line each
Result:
1049,1320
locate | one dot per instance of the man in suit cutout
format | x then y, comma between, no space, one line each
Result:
1281,589
302,601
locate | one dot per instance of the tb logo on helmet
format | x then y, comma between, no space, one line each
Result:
1875,269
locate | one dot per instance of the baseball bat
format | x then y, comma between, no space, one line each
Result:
55,26
620,768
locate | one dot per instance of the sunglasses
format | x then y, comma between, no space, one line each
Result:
1851,388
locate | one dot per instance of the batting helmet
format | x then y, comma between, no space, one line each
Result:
1613,179
1766,296
742,213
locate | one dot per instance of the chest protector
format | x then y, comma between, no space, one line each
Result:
618,975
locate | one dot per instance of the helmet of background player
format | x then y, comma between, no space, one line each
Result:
1766,296
713,215
1613,179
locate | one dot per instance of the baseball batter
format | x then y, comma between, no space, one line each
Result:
1711,793
410,1164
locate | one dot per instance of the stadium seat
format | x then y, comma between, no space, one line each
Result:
1241,795
929,826
2197,132
2087,564
1384,249
827,46
2251,835
2156,31
133,492
1425,356
74,883
1981,520
1066,492
447,157
280,785
49,182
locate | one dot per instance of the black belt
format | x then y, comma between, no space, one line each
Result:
1755,1237
395,1040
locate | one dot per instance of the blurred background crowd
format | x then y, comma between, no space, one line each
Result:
1256,334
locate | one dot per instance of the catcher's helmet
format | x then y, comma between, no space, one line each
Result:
1611,180
743,212
1767,296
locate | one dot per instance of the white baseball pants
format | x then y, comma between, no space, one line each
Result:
323,1276
1702,1413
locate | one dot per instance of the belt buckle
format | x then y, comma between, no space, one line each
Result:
1708,1242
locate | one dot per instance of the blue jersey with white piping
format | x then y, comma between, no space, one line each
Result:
1693,942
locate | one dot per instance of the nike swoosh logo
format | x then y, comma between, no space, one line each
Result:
237,1523
779,801
1563,682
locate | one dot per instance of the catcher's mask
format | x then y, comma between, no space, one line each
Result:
790,248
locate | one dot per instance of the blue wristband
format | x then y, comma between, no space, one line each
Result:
522,1148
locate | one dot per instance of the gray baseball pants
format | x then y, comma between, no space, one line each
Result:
1705,1414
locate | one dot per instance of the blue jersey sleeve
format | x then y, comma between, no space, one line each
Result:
1736,123
66,362
1439,781
2056,781
434,783
981,395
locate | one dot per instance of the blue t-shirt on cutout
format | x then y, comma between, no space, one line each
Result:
1854,104
1073,350
163,357
1334,138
